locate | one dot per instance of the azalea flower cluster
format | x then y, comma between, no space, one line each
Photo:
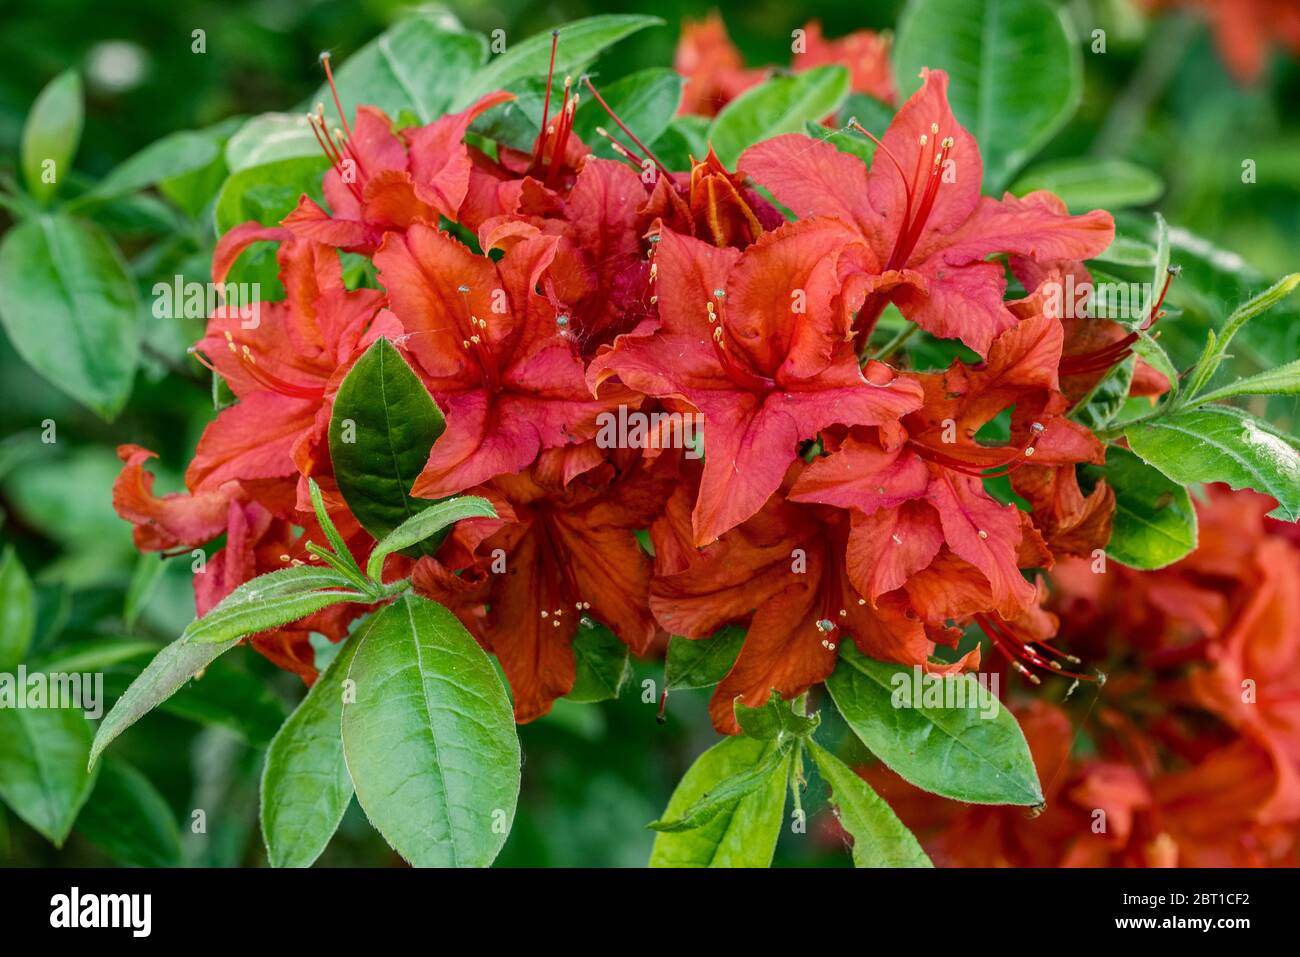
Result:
838,497
1192,759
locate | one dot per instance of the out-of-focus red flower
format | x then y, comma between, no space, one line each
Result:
864,52
1245,29
758,343
716,73
919,210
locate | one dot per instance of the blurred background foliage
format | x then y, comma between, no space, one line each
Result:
594,774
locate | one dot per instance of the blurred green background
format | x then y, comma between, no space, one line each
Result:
593,774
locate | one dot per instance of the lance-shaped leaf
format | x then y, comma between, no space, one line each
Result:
1223,444
305,784
724,795
426,524
880,839
383,424
44,777
783,104
430,740
743,834
1217,346
51,135
974,752
1284,380
775,720
271,600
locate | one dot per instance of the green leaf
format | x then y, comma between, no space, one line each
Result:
166,674
685,138
269,192
52,132
742,835
1284,380
1218,346
17,611
171,156
305,784
774,720
880,839
1155,523
419,65
392,421
130,820
702,662
953,751
603,663
1222,444
782,104
725,794
1016,69
1086,183
425,524
271,600
43,771
71,309
430,741
580,42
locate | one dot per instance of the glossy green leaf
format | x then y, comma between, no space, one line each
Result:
1087,183
702,662
17,611
430,740
269,192
71,309
305,783
775,720
392,422
271,600
742,835
726,793
44,776
580,42
1218,346
646,102
52,132
603,664
782,104
1155,523
957,752
130,820
880,839
435,520
420,65
1015,67
1222,444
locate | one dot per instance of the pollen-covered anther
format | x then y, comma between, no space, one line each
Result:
825,625
896,540
717,336
862,601
983,534
844,613
545,613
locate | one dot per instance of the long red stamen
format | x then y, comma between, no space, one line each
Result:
338,105
623,126
263,377
1103,358
1017,651
974,468
737,373
540,145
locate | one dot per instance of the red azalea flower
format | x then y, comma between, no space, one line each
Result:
1245,30
921,490
757,342
380,180
710,204
919,210
284,363
785,573
495,352
569,551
